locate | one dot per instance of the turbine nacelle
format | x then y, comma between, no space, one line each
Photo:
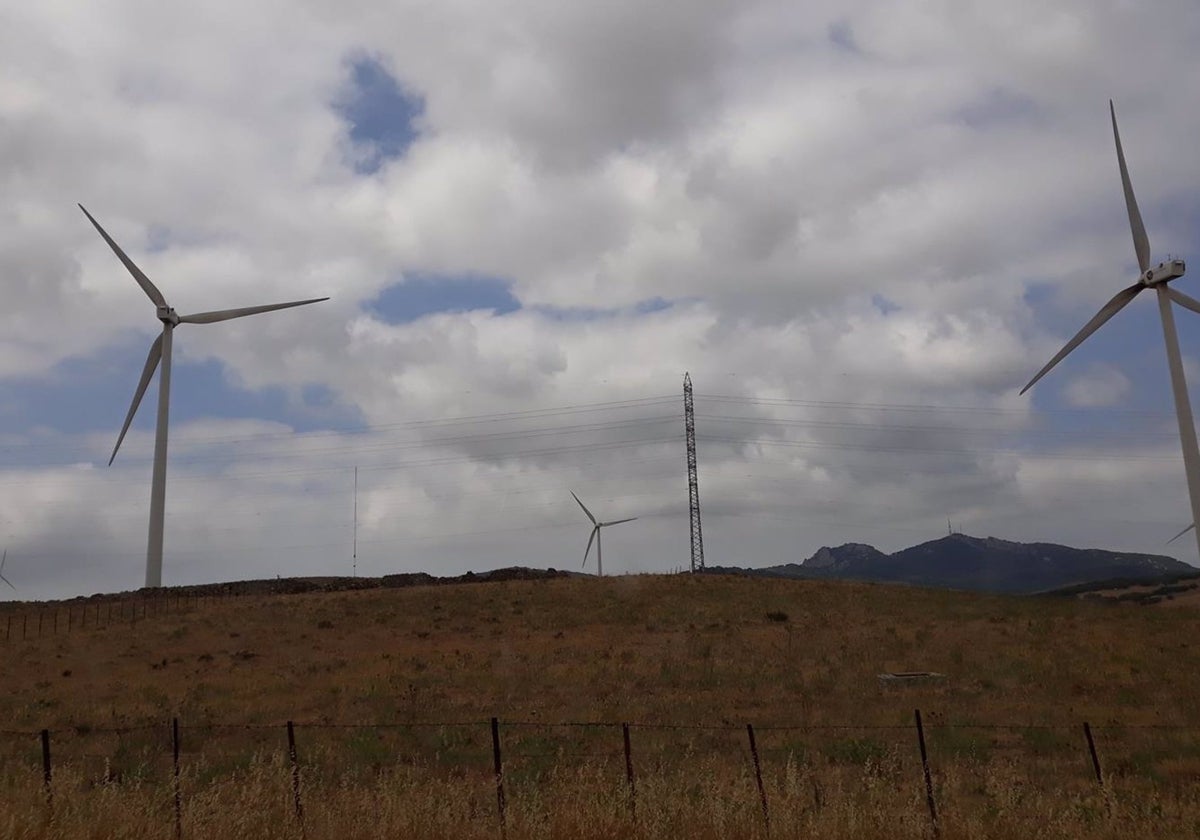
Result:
1163,273
167,315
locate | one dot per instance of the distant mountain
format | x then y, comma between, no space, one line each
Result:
959,561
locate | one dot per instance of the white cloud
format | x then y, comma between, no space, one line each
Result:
1101,386
734,158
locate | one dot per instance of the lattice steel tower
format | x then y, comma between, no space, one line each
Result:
689,425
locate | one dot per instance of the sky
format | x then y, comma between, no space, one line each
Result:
861,227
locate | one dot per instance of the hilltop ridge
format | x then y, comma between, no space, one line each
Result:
983,564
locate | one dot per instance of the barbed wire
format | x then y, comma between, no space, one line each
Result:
84,731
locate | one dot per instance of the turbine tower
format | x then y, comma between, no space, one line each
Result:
596,526
1157,278
160,352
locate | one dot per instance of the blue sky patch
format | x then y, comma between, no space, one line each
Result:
884,305
655,304
420,295
92,394
841,35
158,238
1132,342
583,314
994,107
382,115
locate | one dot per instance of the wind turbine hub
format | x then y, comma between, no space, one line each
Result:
167,315
1164,272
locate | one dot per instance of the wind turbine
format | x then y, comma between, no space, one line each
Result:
160,351
596,526
1156,278
3,560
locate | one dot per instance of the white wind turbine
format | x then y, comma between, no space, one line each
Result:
3,560
1156,278
596,526
160,351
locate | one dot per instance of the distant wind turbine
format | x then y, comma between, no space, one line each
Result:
596,526
3,560
160,351
1156,278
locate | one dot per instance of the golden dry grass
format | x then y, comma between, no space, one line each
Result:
689,651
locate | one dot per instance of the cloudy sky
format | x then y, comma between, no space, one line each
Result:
861,226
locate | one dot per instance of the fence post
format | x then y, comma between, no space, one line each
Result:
499,768
1091,742
929,801
178,791
762,792
46,777
629,773
291,736
1087,733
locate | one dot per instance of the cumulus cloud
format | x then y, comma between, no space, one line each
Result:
860,227
1100,387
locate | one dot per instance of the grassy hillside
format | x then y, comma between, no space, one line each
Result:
664,649
680,651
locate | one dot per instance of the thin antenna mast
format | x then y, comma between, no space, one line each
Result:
689,424
354,559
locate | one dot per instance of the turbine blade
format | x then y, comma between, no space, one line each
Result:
1107,311
1181,533
595,531
619,521
1141,243
9,582
585,510
149,288
147,372
3,560
1186,301
226,314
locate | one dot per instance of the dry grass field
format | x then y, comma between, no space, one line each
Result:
392,691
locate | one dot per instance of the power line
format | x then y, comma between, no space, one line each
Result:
884,406
534,413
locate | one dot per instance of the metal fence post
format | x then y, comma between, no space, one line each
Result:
46,775
929,801
178,791
291,736
762,791
499,769
1087,733
629,773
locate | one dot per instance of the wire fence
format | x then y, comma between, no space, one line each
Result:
521,754
22,621
181,760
